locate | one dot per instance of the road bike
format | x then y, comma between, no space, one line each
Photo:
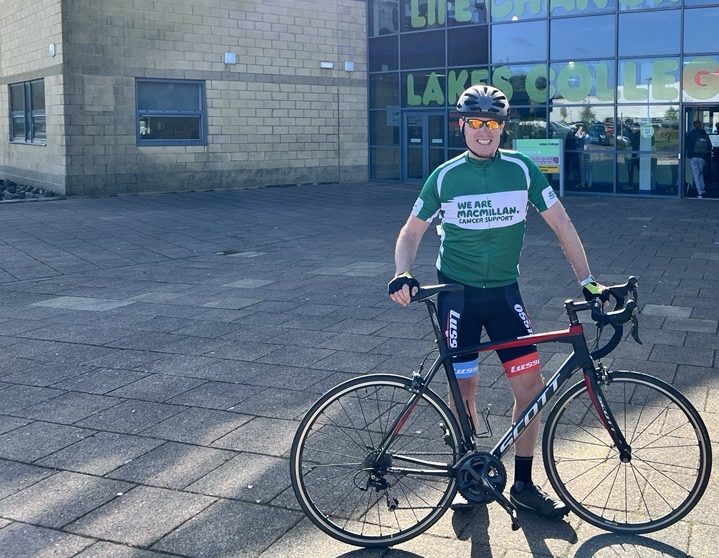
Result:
378,459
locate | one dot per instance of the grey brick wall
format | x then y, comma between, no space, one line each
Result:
274,117
27,27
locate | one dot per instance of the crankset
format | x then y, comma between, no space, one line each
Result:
481,477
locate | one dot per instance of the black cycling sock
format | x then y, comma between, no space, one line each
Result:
522,471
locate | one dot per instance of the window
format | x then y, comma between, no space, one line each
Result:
582,37
519,42
649,33
171,112
27,112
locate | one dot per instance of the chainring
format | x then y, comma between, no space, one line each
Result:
474,466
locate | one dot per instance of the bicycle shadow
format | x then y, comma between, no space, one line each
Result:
475,527
631,545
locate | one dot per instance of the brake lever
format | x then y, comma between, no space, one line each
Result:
635,330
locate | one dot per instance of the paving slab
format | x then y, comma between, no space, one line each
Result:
141,517
100,453
131,417
22,541
60,499
172,465
16,476
229,529
102,549
38,439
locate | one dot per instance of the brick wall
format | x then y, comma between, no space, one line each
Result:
27,27
274,117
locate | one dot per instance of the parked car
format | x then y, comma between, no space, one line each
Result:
597,134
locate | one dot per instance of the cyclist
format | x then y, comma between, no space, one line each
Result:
481,199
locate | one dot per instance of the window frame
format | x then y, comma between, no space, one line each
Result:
28,113
201,112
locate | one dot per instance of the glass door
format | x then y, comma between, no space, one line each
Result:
425,140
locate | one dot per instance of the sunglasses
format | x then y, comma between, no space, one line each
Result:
476,123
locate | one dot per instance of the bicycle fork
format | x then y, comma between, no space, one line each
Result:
605,415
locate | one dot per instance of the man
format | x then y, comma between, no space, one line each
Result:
481,197
699,147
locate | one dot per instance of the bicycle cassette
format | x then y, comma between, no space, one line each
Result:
475,467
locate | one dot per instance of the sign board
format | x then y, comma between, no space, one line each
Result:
647,130
394,115
545,153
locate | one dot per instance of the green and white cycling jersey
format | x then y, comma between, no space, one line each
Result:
483,209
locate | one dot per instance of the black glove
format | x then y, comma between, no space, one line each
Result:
400,281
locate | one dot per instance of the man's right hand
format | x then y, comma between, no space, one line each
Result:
402,287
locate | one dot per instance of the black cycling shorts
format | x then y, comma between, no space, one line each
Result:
500,312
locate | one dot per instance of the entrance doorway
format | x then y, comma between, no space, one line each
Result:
708,117
425,139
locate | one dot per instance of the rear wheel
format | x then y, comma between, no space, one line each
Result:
670,454
363,494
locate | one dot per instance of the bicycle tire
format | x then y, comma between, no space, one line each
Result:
671,454
333,451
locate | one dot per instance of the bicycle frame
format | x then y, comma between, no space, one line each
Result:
580,358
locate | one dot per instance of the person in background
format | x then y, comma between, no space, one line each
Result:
698,147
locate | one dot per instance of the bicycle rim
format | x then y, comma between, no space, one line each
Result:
354,492
670,448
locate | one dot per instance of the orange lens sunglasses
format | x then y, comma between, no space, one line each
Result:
476,123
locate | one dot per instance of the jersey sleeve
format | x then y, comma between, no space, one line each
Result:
541,194
428,204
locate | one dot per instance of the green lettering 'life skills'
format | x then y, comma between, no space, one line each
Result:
575,82
429,13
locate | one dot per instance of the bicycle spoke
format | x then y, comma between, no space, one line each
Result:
669,450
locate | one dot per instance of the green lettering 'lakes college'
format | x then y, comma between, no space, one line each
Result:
428,13
573,81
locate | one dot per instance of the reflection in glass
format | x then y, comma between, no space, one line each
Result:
454,133
647,173
562,7
649,33
655,129
383,130
626,5
17,97
384,163
583,82
170,128
590,170
37,95
700,30
525,123
519,42
523,85
17,129
169,95
423,14
582,37
508,10
39,130
383,54
423,88
383,17
459,79
700,78
653,80
422,50
467,46
383,90
467,13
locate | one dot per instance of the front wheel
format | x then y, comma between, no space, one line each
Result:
670,454
361,491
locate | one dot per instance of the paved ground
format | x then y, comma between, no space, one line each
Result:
157,352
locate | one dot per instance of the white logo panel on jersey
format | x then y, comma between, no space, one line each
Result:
486,211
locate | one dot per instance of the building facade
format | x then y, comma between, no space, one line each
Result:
111,96
620,81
